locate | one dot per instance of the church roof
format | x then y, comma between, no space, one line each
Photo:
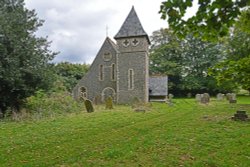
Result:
112,44
131,27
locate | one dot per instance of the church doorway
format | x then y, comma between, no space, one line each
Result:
108,92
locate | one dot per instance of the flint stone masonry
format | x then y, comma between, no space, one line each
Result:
121,68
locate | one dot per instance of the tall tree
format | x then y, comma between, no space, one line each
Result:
24,58
185,61
166,57
236,67
212,20
70,73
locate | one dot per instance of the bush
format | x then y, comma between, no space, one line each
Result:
52,104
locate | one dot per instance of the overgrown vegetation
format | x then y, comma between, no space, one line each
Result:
185,134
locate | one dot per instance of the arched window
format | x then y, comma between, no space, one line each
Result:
101,75
130,79
83,92
113,72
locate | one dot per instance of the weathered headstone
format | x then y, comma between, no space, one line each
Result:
169,100
240,115
198,97
205,98
228,96
97,100
109,103
89,106
220,96
189,95
233,98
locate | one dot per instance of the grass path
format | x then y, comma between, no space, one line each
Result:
185,134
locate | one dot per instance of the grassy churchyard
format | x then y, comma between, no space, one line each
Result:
185,134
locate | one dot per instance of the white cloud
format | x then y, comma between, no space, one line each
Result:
77,28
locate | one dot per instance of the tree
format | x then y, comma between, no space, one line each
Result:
185,61
70,73
165,57
212,20
24,58
236,67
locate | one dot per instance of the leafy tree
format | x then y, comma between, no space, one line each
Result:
24,58
212,20
165,57
70,73
236,67
185,61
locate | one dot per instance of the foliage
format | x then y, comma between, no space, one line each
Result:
48,105
69,74
207,137
186,62
235,68
212,20
165,56
24,58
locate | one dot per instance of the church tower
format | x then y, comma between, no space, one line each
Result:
132,60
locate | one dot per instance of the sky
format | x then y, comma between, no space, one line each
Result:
78,28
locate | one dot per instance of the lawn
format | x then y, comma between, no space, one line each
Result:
185,134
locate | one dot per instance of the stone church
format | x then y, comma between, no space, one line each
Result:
121,68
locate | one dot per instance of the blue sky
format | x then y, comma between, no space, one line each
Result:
77,28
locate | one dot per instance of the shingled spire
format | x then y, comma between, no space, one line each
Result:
131,27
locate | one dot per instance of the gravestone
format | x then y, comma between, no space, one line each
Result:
228,96
240,115
97,100
198,97
109,103
233,98
170,99
189,95
220,96
89,106
205,98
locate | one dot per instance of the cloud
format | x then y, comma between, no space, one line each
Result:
77,28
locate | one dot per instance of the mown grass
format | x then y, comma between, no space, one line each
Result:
185,134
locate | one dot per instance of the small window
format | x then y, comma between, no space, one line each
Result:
83,93
113,72
107,56
130,79
101,73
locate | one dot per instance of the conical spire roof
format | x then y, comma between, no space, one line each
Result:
131,27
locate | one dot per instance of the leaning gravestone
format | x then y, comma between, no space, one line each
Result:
198,97
220,96
89,106
205,98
